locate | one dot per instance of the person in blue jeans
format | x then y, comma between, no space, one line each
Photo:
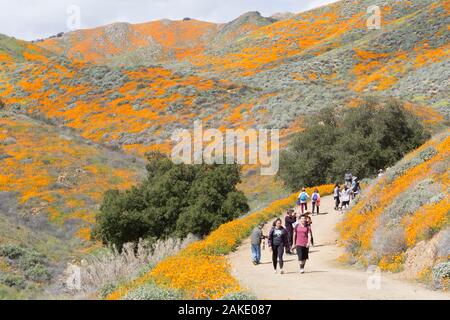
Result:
256,239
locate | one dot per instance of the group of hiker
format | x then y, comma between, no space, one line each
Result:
296,234
343,196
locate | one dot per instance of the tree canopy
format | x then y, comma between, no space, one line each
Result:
173,200
364,139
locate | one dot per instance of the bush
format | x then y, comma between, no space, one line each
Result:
404,165
173,201
11,252
389,240
37,272
373,136
31,263
2,104
443,247
101,272
441,275
107,289
14,281
239,296
150,291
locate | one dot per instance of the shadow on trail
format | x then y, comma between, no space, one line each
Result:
306,272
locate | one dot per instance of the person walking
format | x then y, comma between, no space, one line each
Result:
289,221
356,188
303,200
336,196
278,240
346,195
303,236
315,201
348,178
256,238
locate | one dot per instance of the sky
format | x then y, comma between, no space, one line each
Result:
35,19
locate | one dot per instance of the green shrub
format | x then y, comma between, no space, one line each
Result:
31,263
107,289
363,140
150,291
441,272
239,296
404,165
38,273
14,281
11,251
173,201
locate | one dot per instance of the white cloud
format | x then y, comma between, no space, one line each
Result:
30,19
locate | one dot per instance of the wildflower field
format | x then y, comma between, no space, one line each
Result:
409,204
201,270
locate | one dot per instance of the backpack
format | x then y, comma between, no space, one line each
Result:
303,197
315,197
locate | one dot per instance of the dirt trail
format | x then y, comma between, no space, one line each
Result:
324,277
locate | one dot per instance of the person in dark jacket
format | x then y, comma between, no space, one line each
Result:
289,221
337,196
278,240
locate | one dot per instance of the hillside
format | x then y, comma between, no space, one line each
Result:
291,61
152,42
272,76
401,222
51,183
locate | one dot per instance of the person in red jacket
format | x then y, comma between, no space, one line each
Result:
278,240
303,236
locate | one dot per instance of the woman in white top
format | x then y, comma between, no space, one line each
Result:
346,195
